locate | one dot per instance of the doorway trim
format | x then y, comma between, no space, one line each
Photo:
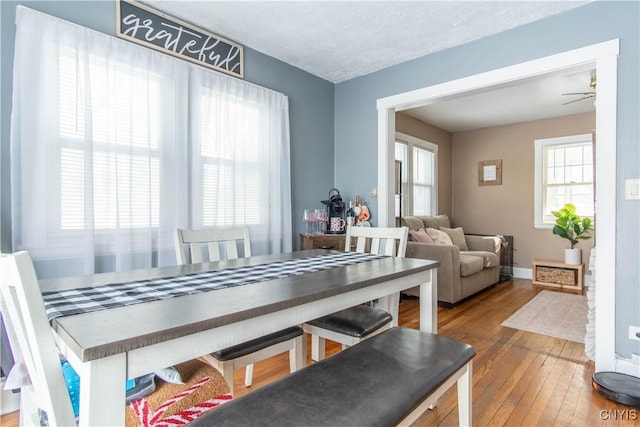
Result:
604,56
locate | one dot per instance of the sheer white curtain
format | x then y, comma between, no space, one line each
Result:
98,147
240,159
114,146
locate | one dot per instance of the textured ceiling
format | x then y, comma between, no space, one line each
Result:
339,40
536,98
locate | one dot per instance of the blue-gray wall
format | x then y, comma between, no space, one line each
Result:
356,115
311,106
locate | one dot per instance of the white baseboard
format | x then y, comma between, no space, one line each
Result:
627,366
9,401
521,273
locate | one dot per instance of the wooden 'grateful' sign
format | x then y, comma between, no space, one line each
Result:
141,24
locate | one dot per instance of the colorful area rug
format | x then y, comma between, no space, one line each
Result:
556,314
204,389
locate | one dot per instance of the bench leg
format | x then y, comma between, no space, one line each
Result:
465,385
248,375
464,379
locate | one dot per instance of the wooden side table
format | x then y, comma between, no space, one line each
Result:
558,275
322,241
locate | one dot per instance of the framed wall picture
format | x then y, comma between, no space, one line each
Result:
490,172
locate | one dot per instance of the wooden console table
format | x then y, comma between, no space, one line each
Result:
554,274
323,241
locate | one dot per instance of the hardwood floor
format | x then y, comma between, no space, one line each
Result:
519,378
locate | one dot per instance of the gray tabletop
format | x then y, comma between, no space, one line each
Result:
102,333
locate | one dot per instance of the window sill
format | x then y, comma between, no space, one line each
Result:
543,226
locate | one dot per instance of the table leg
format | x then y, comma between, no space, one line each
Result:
429,303
102,391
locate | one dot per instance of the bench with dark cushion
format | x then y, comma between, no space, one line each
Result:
388,379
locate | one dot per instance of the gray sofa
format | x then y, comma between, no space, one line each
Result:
462,273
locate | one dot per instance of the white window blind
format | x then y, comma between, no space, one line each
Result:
423,181
232,185
99,149
240,159
108,125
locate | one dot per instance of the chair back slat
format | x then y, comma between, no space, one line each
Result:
360,245
232,249
195,252
214,252
375,245
31,340
382,240
215,239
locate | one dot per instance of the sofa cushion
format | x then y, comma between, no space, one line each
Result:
429,222
470,264
457,237
418,222
435,221
490,259
439,237
484,243
443,221
420,236
413,222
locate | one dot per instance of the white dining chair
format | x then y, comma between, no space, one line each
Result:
189,244
32,343
33,346
352,325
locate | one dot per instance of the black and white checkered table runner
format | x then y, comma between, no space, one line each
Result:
84,300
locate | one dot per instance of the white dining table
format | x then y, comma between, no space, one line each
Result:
107,347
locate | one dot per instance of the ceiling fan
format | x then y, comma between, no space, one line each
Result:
585,95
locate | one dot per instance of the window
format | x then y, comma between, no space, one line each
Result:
108,118
419,175
423,182
131,144
563,174
239,158
232,155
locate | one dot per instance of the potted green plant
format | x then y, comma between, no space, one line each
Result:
571,226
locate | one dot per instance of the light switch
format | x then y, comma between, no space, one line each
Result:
632,189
